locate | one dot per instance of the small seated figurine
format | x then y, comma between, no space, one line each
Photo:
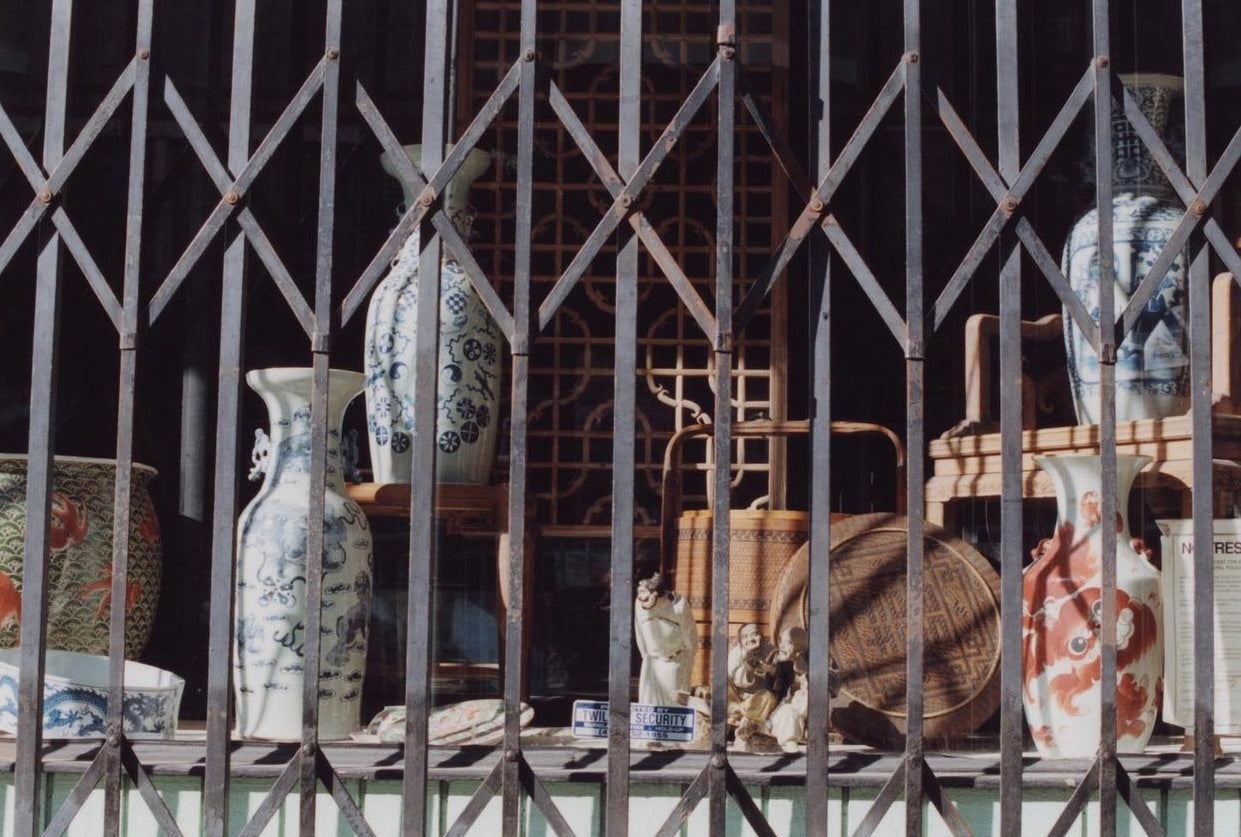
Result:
752,737
787,723
667,641
749,677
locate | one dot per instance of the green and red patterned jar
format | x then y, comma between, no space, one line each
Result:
80,573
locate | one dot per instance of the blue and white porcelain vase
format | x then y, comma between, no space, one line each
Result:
1152,364
269,618
468,385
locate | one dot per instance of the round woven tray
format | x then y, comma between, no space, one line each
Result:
868,618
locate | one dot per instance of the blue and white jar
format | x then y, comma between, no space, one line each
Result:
1152,363
269,619
469,362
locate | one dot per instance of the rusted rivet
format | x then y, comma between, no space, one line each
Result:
427,197
527,54
45,196
914,57
144,54
1103,61
717,760
1011,204
728,53
816,204
114,740
510,755
625,201
308,750
231,197
333,53
1198,208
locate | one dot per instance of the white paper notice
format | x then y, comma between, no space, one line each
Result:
1178,620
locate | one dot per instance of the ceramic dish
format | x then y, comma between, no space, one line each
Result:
75,696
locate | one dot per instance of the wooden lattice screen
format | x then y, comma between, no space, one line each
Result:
571,372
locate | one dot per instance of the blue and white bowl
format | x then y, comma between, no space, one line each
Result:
75,696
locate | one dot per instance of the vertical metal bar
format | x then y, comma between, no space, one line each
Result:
309,754
1200,411
624,428
1011,712
722,475
224,504
34,569
228,413
122,504
914,354
320,348
422,492
28,810
516,615
818,722
1107,413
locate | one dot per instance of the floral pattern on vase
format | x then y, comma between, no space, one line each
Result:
468,359
1062,607
81,515
270,606
1152,363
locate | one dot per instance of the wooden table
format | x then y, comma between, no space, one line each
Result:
470,510
968,467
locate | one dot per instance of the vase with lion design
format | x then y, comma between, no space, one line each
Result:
1062,609
269,624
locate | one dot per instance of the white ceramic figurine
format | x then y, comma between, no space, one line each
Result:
667,641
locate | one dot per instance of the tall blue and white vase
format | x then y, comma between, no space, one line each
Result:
269,635
468,359
1152,364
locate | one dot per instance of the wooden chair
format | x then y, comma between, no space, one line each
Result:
966,459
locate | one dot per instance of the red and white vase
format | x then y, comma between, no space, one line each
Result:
1062,604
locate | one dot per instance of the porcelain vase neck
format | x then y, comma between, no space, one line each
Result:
284,455
456,194
1078,482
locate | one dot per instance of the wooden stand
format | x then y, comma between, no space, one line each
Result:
968,467
467,510
966,460
1187,744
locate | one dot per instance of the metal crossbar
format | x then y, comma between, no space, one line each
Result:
816,206
1008,205
443,225
625,198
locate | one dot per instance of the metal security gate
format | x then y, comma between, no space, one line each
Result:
336,300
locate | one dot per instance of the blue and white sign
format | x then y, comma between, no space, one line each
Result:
646,722
590,719
661,723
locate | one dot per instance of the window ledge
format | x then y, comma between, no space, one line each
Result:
1162,766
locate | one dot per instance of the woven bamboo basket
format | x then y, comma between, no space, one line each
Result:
761,542
760,545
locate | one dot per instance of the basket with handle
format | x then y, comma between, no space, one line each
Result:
761,541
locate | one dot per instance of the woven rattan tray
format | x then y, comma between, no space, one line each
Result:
868,628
